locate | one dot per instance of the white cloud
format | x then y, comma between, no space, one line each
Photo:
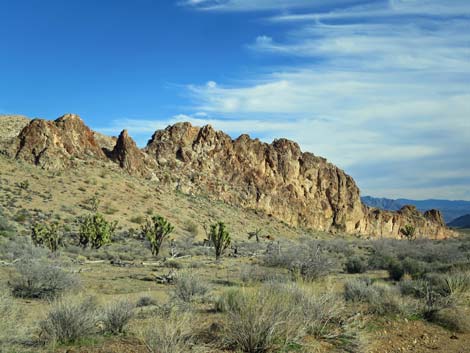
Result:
383,93
259,5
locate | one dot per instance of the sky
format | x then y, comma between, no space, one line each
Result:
380,88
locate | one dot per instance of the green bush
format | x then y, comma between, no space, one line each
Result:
396,270
6,229
415,268
156,230
356,265
95,231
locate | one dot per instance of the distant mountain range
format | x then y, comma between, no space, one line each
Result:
461,222
451,210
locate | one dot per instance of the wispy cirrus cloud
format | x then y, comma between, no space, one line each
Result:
258,5
378,87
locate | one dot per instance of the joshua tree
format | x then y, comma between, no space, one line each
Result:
95,230
46,235
408,232
156,229
220,238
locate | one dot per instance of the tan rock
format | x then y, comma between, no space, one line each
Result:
54,144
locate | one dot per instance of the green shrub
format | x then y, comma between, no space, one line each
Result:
220,238
95,231
69,320
41,279
6,229
116,316
145,301
415,268
396,270
156,230
356,265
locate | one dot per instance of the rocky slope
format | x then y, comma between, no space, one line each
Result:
279,179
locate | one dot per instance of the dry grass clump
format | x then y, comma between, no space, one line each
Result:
116,316
189,287
172,333
69,320
380,298
276,316
9,325
40,278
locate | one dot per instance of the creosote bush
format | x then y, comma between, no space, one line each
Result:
156,230
39,278
356,265
95,231
69,320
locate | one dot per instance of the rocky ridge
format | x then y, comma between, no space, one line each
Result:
279,179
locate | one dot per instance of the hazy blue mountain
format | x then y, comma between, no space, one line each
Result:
450,209
461,222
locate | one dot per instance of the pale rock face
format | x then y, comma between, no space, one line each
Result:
279,179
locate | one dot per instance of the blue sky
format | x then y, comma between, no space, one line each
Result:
380,88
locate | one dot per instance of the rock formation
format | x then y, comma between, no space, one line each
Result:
130,157
279,179
54,144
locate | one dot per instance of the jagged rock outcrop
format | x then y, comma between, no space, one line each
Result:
279,179
130,157
54,144
388,223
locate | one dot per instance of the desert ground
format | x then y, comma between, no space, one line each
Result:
293,290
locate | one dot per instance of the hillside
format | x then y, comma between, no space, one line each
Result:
278,179
461,222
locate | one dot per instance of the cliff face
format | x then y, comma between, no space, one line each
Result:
279,179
